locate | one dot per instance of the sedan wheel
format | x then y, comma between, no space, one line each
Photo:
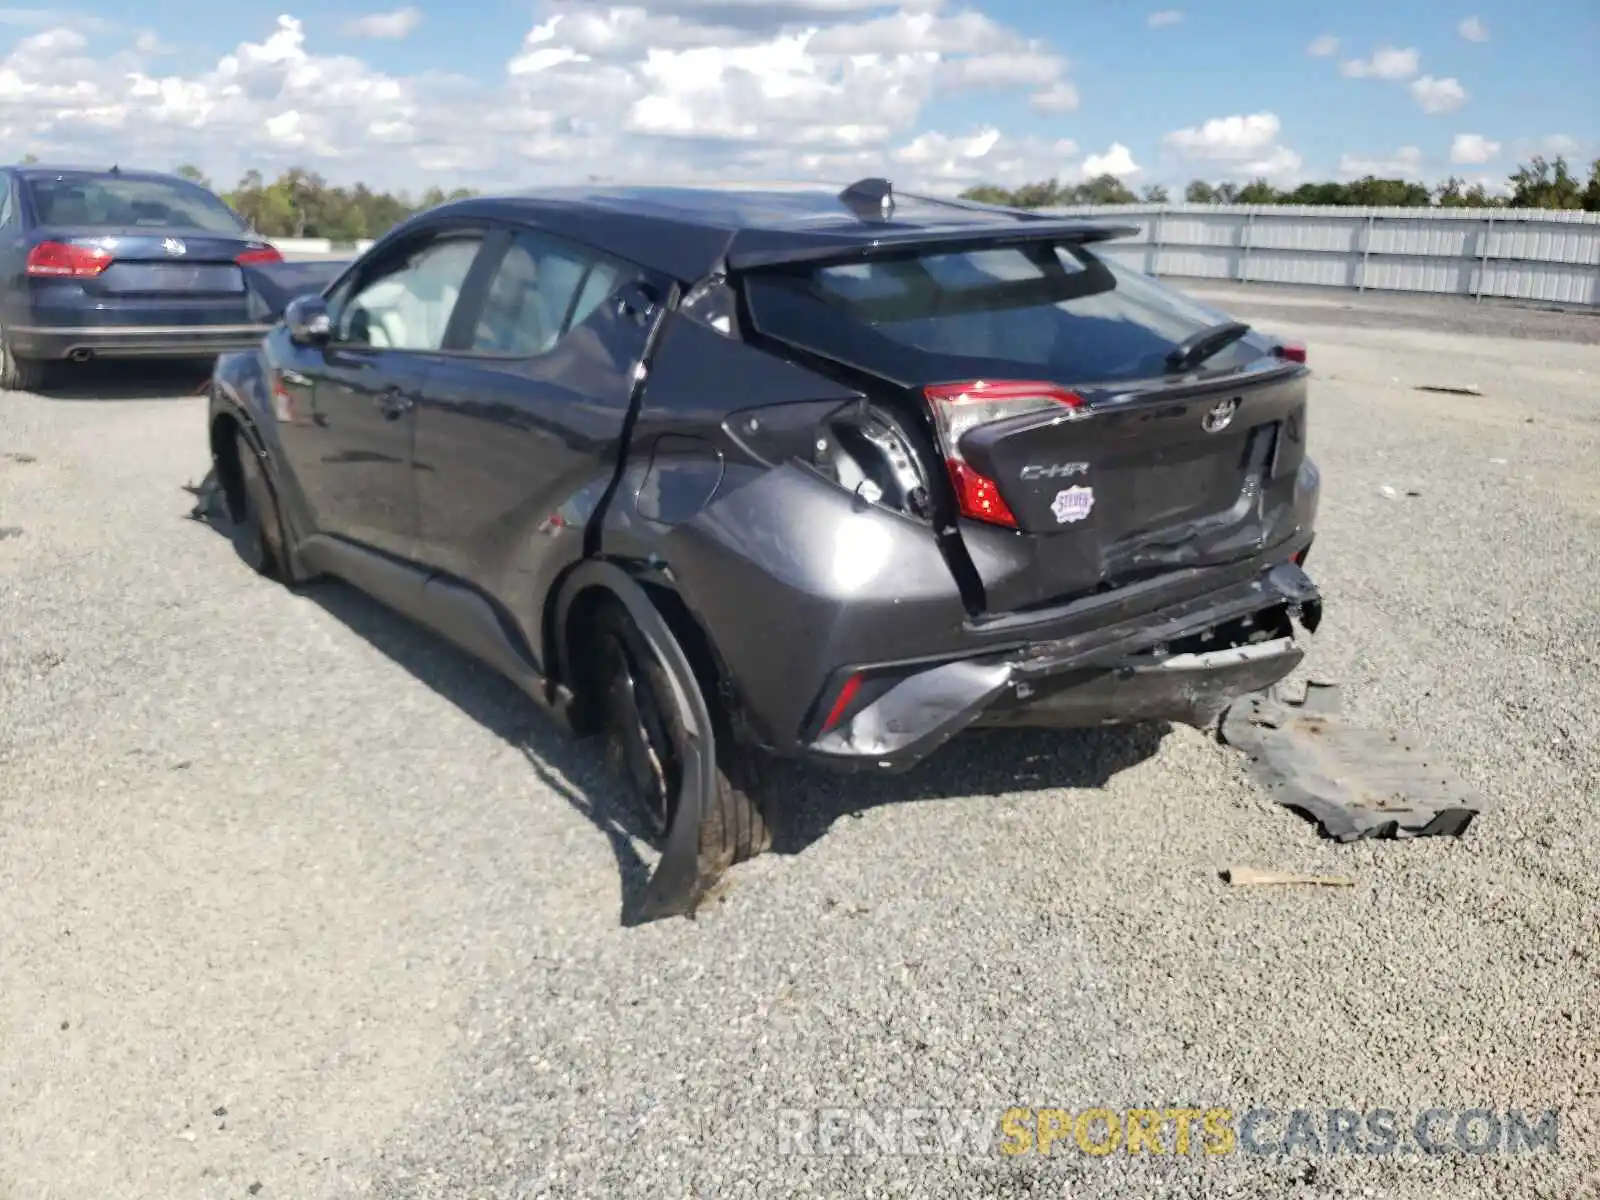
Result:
18,374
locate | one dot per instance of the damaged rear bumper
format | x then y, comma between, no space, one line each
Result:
1186,664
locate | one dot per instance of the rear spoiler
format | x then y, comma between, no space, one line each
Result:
753,249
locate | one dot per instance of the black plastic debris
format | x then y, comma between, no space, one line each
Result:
1354,782
209,502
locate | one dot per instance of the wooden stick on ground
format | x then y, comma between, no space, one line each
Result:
1247,876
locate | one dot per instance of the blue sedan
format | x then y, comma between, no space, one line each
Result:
119,264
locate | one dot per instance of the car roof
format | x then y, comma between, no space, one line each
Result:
49,170
691,231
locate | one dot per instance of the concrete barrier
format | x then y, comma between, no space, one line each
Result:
320,247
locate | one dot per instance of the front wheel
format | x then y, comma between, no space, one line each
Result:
257,528
645,739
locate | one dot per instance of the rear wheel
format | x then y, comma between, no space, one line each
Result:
645,740
257,529
18,374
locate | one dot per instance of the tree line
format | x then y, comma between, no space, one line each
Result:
1541,183
301,203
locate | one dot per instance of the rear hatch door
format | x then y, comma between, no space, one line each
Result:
1080,450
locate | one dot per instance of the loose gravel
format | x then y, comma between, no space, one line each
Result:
298,902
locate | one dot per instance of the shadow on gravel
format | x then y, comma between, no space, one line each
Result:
807,801
134,380
570,768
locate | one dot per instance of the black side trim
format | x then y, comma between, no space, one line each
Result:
451,608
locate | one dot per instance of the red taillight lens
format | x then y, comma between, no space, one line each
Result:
842,702
263,254
1291,352
979,496
960,407
65,260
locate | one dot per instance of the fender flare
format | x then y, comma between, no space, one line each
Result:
678,884
227,403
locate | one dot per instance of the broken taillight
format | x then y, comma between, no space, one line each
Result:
1290,352
283,407
960,407
66,260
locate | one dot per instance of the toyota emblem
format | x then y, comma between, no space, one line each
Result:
1220,415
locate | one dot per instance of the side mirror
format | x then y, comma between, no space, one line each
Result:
637,301
307,320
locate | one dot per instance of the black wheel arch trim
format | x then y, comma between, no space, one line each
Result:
225,403
677,886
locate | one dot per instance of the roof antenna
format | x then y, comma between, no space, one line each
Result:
869,199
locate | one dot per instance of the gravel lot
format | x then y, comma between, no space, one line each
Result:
297,897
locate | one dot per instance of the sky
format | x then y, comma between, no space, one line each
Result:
937,95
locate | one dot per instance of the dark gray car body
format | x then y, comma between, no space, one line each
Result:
490,496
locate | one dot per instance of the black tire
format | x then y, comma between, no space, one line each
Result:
257,528
19,374
644,732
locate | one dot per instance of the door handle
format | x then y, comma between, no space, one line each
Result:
394,403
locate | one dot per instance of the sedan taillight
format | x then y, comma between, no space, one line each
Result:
257,255
66,260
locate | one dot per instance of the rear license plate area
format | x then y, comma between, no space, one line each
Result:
1178,489
167,279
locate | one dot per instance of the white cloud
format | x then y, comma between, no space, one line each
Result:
1236,147
1059,97
1406,164
150,43
1438,95
1473,30
1167,16
390,26
1117,160
1472,148
678,90
1227,137
1386,63
1323,47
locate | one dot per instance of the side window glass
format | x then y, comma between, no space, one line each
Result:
542,288
408,305
7,207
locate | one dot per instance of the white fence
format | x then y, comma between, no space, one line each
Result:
1523,254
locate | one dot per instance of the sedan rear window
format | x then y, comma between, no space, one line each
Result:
1053,311
87,201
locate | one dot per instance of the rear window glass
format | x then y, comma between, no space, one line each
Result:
1058,312
109,202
